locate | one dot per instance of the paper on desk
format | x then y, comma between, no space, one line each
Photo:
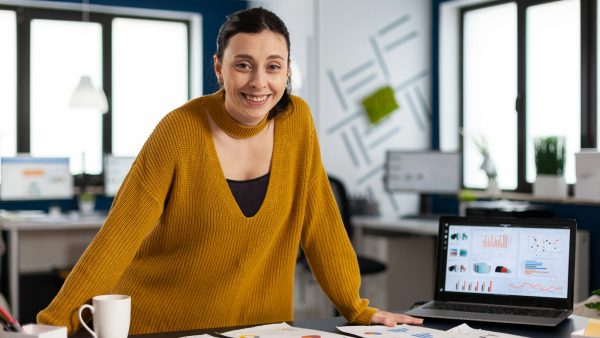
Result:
464,330
397,331
282,330
404,330
200,336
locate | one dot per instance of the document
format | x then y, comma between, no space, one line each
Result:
464,330
400,331
397,331
282,330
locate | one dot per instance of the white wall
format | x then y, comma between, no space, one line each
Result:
346,49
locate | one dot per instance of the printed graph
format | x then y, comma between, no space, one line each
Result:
423,335
281,330
399,331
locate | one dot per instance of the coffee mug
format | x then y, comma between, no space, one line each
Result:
111,315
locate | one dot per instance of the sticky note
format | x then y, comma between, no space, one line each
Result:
593,328
380,104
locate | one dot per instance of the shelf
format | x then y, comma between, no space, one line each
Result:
519,196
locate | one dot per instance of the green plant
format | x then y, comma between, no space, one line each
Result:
595,305
487,165
550,155
87,197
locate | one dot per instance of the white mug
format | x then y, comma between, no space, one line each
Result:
111,315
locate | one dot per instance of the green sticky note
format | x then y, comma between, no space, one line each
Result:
380,104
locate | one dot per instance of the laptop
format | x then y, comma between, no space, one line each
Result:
506,270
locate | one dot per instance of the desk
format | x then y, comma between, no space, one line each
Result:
410,256
392,226
38,224
329,325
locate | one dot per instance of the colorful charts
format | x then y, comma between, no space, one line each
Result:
507,261
399,331
543,245
537,288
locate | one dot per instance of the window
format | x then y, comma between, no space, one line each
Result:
521,78
61,52
553,78
150,71
146,64
490,88
8,83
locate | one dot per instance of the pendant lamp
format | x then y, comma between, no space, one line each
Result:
88,97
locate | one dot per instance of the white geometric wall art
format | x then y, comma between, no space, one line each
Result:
363,45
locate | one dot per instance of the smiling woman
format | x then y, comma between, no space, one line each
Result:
216,204
256,70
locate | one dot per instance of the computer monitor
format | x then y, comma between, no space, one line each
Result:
428,172
35,178
115,170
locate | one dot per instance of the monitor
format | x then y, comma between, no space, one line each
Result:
35,178
429,172
115,170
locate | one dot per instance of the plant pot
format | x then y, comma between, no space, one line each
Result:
550,186
493,190
87,207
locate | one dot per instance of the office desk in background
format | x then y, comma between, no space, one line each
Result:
48,235
410,258
563,330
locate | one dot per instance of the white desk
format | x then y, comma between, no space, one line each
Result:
38,224
392,226
410,256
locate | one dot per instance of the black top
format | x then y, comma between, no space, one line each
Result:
250,194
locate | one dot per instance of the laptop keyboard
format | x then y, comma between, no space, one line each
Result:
480,308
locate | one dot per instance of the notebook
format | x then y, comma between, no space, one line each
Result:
507,270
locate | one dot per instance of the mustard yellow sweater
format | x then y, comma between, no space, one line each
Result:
177,242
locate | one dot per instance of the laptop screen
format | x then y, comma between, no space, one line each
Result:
506,257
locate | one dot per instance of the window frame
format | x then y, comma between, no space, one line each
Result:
588,78
104,16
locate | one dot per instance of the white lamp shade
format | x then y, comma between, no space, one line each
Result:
88,97
296,77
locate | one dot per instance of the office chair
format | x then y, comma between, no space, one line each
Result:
366,265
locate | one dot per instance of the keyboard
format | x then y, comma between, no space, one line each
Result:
482,308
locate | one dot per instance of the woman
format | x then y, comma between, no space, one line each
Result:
205,228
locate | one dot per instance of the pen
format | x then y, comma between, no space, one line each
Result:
9,322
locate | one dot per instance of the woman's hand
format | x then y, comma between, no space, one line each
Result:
391,319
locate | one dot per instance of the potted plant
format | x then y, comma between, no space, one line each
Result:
488,166
87,203
550,165
594,305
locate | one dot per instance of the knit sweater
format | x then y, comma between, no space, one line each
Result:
178,243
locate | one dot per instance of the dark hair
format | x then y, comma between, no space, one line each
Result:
256,20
